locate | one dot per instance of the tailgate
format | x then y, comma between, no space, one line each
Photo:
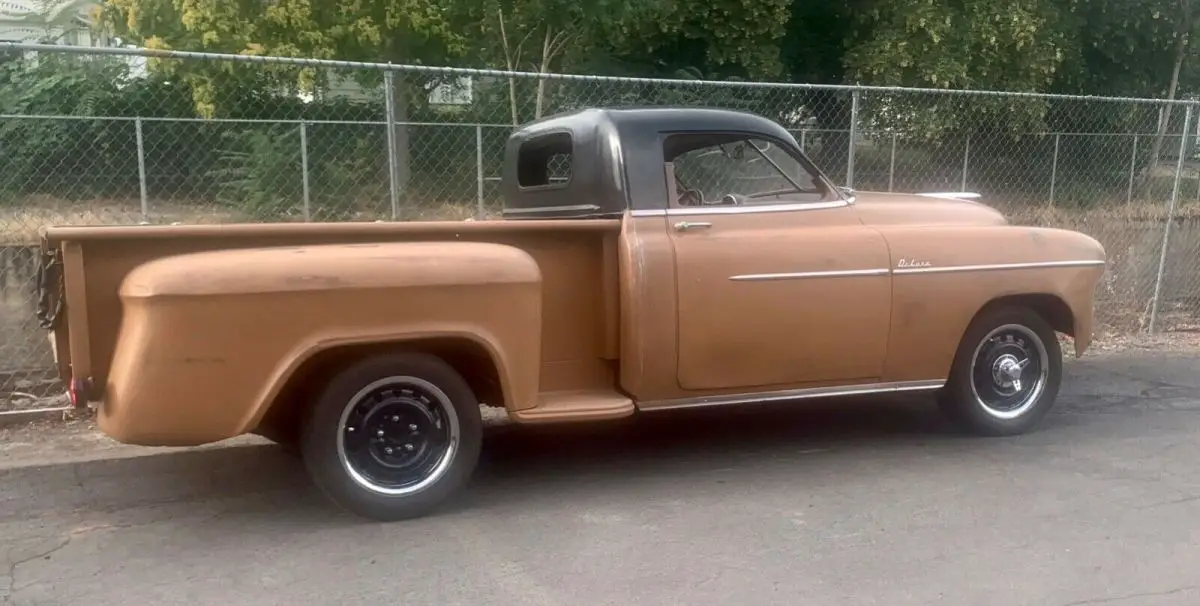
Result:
52,315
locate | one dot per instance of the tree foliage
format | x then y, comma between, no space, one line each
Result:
1141,48
1094,47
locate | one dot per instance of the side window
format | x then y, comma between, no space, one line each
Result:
723,170
544,161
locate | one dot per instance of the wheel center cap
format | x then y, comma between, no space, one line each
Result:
1006,369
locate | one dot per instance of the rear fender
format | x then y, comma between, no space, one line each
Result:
209,340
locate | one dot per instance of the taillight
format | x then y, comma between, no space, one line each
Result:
79,392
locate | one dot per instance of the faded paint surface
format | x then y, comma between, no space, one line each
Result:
192,331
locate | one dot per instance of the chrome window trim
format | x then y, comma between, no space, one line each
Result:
792,394
543,209
737,210
997,267
844,273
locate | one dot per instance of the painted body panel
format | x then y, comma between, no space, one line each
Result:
792,265
232,326
191,330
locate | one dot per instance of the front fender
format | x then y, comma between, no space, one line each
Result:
209,339
943,276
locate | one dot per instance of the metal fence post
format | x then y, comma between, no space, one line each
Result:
141,160
892,165
1054,167
853,136
1162,254
1132,171
304,168
966,162
389,98
479,170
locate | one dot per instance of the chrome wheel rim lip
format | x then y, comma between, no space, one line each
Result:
441,405
1039,378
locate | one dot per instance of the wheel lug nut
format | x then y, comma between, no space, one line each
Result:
395,419
408,447
412,427
379,433
388,450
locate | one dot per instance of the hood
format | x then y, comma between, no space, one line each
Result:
878,208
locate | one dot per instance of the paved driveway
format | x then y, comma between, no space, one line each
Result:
826,503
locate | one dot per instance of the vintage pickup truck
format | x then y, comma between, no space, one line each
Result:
649,259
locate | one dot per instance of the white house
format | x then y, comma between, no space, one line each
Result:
50,21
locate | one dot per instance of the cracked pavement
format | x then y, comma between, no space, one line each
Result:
814,503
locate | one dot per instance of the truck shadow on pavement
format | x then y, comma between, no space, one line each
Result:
521,467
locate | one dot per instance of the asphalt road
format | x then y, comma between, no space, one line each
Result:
812,504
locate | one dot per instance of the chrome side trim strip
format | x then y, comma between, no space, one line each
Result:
737,210
544,209
913,270
952,195
811,274
792,394
996,267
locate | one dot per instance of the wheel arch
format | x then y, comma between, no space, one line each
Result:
472,356
1052,308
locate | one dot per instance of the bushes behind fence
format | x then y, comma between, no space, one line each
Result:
70,128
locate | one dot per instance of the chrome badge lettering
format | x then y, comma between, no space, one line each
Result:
913,263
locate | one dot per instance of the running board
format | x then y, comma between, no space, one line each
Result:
572,406
794,394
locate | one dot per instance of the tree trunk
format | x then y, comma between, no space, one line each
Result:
510,64
1164,117
399,109
542,69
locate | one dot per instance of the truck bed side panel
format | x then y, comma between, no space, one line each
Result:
575,335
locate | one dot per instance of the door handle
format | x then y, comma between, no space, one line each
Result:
686,225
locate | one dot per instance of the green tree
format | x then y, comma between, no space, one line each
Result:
539,36
1011,45
733,39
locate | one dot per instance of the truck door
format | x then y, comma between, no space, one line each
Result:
776,286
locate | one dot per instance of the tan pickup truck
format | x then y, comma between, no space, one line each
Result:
648,260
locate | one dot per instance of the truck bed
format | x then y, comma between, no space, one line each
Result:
577,260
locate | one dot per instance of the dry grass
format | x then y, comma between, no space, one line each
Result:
23,223
1025,214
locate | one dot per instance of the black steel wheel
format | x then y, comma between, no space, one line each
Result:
1006,373
398,435
393,436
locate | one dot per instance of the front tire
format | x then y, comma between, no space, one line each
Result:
1006,373
391,437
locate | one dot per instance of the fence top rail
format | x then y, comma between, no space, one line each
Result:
467,71
900,134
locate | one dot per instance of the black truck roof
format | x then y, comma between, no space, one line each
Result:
613,154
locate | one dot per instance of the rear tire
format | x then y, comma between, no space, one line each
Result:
391,437
1006,373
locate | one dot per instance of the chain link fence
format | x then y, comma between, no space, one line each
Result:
107,136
